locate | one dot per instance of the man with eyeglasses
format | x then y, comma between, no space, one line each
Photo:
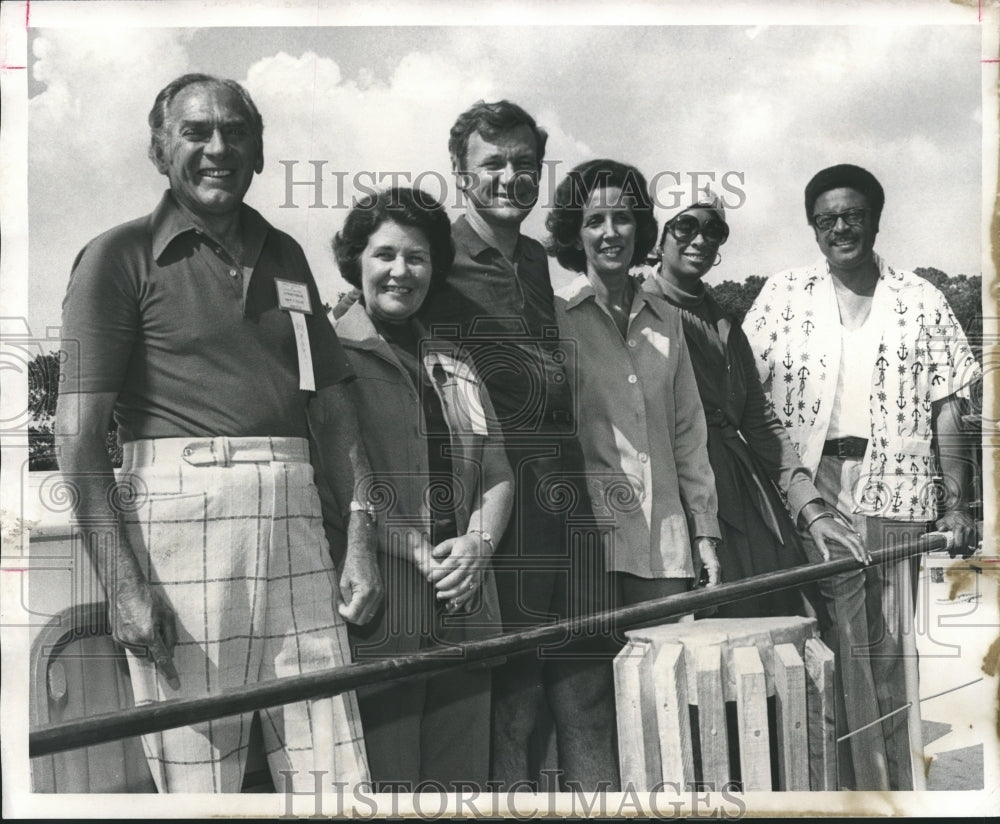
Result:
864,365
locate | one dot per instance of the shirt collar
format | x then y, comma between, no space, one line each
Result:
170,221
580,289
466,236
473,242
886,274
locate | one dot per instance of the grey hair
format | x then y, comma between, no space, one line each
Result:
158,114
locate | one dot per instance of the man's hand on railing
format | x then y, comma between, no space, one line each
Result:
960,523
832,529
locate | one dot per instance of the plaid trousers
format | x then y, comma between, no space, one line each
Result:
230,530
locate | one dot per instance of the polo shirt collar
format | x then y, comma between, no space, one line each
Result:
580,289
169,221
467,237
471,240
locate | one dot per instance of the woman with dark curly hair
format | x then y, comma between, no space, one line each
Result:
751,454
641,424
441,493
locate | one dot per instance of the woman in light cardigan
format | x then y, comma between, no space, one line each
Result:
641,424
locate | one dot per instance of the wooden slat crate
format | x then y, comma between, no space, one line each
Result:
723,701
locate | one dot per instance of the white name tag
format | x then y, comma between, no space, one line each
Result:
293,297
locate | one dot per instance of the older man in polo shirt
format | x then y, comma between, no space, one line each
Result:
200,328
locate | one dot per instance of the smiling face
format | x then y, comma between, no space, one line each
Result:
395,271
607,232
209,150
684,262
502,175
846,247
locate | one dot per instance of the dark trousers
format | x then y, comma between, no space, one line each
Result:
434,729
549,566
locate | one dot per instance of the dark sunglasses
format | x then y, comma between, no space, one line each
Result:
687,227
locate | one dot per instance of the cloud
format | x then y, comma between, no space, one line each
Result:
87,142
99,85
775,106
366,131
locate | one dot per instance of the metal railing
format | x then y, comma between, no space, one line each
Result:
184,712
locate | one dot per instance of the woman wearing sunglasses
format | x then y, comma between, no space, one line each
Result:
748,447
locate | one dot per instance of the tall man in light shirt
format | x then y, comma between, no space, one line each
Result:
863,364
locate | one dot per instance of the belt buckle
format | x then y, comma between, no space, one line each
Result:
842,448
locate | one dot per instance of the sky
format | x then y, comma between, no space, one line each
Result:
759,107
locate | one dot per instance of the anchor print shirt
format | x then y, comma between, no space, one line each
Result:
922,356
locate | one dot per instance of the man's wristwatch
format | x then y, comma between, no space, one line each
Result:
367,508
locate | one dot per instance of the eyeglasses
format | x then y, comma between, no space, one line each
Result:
852,217
688,227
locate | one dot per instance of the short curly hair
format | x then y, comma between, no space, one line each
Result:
566,217
402,205
845,176
490,119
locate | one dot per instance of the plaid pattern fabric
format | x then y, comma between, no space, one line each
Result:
238,549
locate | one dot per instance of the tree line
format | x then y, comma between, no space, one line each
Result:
964,294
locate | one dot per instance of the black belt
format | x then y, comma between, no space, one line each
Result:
850,447
715,417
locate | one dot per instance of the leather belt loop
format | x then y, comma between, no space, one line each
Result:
195,453
222,451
